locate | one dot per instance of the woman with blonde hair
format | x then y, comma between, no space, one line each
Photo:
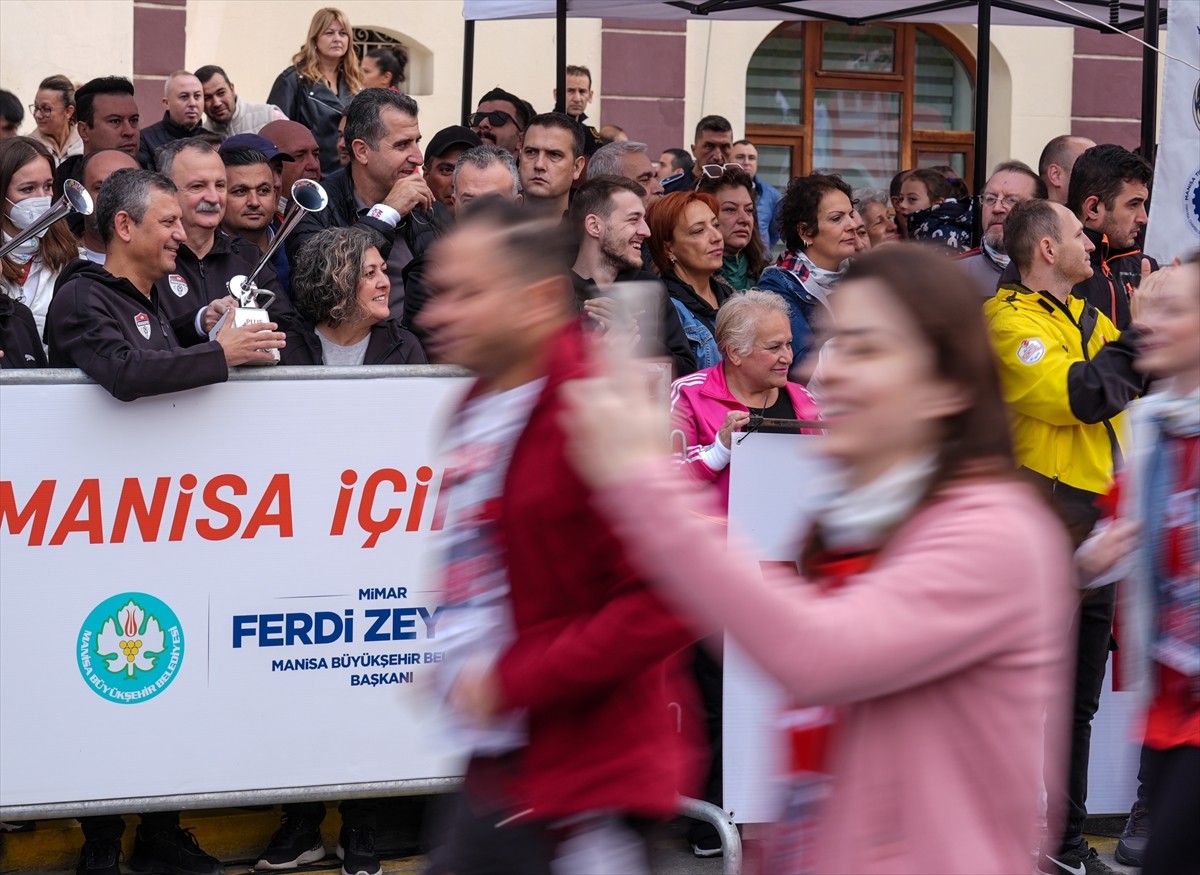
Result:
324,76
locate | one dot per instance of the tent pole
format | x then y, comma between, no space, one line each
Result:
468,68
983,59
1150,81
560,47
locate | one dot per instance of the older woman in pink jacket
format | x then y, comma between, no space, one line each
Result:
933,601
710,406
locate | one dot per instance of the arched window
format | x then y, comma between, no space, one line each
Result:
864,101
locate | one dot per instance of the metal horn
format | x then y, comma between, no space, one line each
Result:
307,197
75,199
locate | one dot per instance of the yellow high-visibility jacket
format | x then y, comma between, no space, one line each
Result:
1067,374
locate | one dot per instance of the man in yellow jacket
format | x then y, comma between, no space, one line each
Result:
1067,374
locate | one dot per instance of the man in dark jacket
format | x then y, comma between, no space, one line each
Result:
382,189
183,97
107,320
608,216
560,664
1108,192
210,257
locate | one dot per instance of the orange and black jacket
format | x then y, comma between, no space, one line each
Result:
1115,275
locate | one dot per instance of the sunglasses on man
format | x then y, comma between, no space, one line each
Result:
497,118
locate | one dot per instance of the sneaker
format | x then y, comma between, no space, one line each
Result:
1131,848
356,850
99,858
172,852
297,842
1081,860
709,846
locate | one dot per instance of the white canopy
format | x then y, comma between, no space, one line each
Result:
1026,12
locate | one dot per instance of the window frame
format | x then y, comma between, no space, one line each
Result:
912,142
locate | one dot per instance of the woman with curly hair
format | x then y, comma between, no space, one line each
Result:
340,288
820,230
324,76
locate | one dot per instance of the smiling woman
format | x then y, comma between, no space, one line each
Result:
341,289
908,610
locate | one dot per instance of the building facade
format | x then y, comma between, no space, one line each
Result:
864,101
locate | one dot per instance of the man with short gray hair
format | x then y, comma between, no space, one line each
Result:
627,159
108,321
183,98
1011,183
382,188
484,171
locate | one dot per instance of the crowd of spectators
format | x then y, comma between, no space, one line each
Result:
745,281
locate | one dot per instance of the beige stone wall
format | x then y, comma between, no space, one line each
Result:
81,38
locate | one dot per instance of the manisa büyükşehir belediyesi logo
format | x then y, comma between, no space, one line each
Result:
130,648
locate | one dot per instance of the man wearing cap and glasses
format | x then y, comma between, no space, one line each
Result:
383,188
712,149
440,158
500,118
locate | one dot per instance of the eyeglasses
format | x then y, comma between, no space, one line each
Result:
44,109
716,171
990,200
497,118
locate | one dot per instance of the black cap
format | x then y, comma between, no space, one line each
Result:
455,135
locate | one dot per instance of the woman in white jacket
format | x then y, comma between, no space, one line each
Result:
1153,545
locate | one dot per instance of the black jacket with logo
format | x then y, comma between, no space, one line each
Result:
122,339
197,282
390,344
19,339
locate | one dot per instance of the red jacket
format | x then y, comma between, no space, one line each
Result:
597,660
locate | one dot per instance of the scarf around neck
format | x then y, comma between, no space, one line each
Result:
852,519
998,257
736,270
810,276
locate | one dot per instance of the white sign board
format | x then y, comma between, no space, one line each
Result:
218,590
768,514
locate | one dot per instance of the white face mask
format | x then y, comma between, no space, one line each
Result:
25,213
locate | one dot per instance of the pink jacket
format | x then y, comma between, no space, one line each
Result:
699,404
946,656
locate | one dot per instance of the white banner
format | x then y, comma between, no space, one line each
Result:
1174,228
772,519
218,590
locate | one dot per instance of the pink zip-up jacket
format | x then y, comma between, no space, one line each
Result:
947,656
699,404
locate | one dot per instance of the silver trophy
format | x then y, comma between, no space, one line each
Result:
307,197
